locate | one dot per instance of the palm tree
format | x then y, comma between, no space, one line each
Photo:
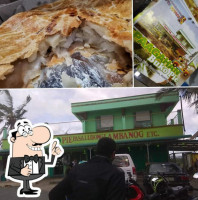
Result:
190,95
8,114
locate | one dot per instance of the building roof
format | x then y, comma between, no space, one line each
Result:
186,38
125,102
184,145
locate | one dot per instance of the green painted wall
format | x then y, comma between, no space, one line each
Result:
130,105
139,156
158,153
158,118
90,125
125,102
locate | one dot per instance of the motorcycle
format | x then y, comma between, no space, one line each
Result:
134,191
162,191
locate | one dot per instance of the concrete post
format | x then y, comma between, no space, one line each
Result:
4,133
84,126
123,122
123,119
90,155
148,154
174,157
179,116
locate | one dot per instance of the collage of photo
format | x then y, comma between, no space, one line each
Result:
99,99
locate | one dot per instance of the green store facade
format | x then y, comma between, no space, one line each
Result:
138,124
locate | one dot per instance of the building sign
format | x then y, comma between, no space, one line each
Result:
122,136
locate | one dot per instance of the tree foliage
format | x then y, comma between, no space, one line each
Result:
8,114
190,95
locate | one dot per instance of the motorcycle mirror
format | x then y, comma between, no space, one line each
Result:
195,175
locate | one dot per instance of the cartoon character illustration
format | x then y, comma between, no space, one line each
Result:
27,162
182,65
182,19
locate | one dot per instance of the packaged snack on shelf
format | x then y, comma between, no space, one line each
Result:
166,42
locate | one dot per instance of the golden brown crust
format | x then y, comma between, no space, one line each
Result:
4,70
21,35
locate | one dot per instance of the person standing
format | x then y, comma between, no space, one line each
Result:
96,179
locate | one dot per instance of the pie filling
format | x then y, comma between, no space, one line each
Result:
86,58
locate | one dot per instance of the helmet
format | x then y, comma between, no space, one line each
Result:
159,185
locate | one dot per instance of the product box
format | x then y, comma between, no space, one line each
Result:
166,42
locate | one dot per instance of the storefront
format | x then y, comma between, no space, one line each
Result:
139,125
144,145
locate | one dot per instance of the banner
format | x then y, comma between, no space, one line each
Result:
122,136
166,43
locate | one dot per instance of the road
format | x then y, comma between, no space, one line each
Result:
8,189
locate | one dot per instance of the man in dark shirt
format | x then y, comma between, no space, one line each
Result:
97,179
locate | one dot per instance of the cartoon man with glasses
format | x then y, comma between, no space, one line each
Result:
27,161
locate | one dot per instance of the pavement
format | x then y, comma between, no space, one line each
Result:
8,189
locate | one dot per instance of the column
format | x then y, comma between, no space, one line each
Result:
179,116
84,126
4,133
123,122
123,119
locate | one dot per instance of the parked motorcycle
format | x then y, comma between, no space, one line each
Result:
134,191
162,191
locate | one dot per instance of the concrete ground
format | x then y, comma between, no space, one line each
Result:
8,189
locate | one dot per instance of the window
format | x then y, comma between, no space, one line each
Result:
104,123
121,161
164,168
143,119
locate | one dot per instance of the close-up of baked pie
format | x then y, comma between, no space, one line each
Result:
68,43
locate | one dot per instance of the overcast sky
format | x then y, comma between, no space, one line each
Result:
54,105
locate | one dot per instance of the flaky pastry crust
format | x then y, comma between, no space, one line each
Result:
21,35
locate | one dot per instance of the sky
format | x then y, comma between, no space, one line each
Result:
54,105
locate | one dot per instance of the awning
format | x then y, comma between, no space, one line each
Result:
164,140
184,145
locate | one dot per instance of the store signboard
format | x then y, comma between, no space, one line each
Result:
166,42
121,136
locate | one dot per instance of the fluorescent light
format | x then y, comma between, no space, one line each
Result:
137,73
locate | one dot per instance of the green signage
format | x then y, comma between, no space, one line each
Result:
121,136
